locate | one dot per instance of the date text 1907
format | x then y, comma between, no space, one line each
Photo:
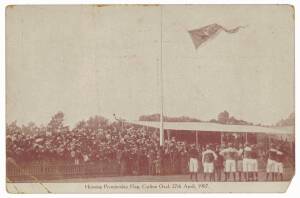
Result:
190,186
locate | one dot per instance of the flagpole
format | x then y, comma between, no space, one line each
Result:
161,129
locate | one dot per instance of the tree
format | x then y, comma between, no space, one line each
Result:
213,120
156,117
30,128
81,125
289,121
13,128
56,123
223,117
232,120
96,122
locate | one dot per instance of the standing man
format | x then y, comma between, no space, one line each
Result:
208,158
219,164
151,165
271,163
166,161
254,162
247,162
184,161
279,163
240,161
124,157
158,162
193,163
230,154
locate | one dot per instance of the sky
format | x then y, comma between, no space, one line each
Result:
89,60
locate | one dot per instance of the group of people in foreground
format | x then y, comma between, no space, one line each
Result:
241,162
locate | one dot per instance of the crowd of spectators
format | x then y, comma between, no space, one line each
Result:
134,148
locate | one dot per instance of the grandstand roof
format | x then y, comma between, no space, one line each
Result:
216,127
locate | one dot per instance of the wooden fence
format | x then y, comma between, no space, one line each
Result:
50,170
35,171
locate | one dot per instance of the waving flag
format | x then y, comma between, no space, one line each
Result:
201,35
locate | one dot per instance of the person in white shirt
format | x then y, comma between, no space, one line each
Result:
208,158
271,163
240,161
230,155
247,168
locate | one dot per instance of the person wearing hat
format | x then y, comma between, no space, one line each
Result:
183,160
123,161
157,163
230,154
193,163
208,158
151,156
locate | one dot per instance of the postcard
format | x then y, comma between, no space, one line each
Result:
149,98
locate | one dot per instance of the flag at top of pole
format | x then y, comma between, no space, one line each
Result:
201,35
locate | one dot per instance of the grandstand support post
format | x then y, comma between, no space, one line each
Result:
269,145
246,138
221,138
196,138
161,129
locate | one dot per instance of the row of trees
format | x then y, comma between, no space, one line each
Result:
56,125
289,121
223,118
156,117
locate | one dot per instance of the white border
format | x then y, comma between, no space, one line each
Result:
294,189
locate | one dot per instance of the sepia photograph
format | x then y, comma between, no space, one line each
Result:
149,98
